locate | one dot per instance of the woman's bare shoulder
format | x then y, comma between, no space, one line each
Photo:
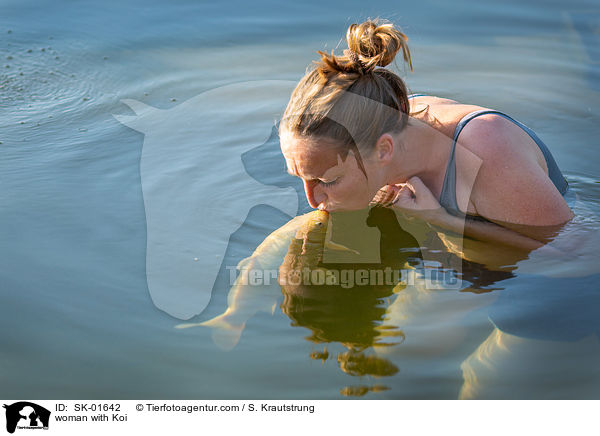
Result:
434,100
511,185
443,113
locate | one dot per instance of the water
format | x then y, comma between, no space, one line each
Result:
76,314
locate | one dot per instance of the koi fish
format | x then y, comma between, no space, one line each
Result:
246,298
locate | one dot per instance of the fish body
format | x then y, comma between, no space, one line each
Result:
247,298
505,366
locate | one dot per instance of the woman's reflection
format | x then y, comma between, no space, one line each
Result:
352,316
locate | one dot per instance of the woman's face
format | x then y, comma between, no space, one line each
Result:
330,182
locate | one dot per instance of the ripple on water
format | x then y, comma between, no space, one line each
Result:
38,80
574,251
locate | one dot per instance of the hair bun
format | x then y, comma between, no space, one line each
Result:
376,43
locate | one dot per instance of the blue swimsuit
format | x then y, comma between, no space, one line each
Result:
448,195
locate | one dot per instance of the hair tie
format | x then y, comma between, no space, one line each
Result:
353,56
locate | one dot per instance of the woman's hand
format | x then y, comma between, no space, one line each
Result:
412,198
415,196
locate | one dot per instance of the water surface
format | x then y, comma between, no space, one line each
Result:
76,314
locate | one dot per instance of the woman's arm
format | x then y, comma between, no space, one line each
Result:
483,231
511,186
415,199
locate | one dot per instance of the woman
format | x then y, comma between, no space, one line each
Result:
351,128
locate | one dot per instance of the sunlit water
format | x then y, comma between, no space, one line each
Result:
76,316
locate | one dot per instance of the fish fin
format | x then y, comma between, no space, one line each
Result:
330,245
225,334
339,247
188,325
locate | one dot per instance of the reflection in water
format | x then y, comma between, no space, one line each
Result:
334,314
320,355
481,278
361,321
356,363
414,321
352,316
359,391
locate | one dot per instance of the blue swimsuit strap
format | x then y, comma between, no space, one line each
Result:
448,195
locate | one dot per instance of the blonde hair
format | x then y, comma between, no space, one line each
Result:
324,104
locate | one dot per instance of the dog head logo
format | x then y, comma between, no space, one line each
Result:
191,214
25,414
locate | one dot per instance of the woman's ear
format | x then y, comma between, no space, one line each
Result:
384,148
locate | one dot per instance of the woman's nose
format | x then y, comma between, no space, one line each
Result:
314,194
